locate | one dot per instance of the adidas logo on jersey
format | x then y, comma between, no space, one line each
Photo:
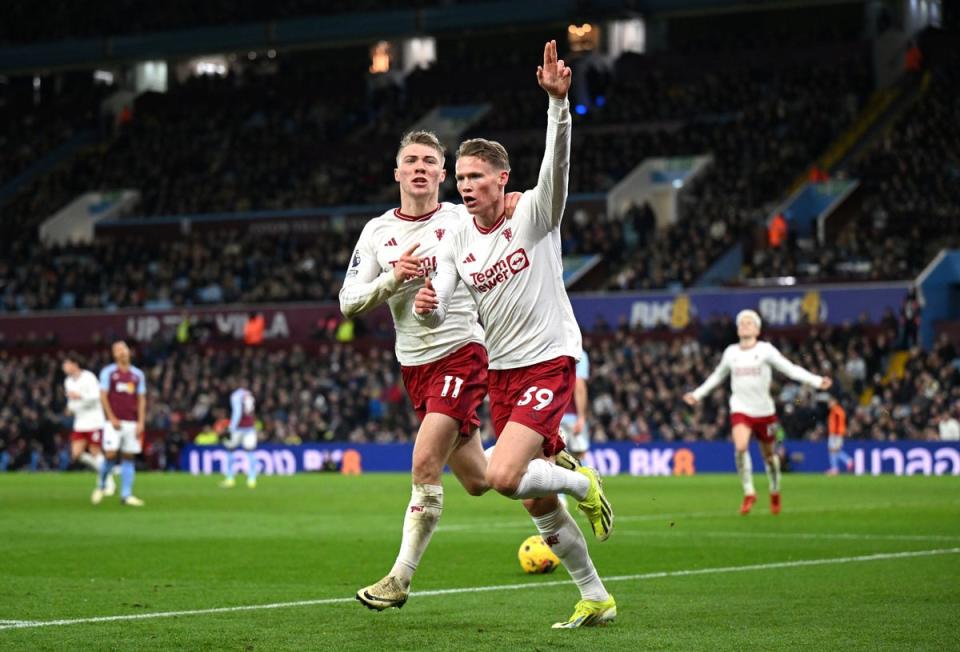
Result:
392,242
469,259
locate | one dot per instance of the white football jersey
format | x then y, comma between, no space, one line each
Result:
514,270
370,281
87,411
750,372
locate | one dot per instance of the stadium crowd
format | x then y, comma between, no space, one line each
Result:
199,270
910,192
786,114
351,392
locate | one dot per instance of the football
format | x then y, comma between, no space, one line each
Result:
536,557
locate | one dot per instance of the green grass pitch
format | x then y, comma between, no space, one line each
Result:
688,573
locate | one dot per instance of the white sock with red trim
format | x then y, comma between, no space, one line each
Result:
423,514
745,471
566,540
772,467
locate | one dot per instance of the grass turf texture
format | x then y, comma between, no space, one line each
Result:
315,537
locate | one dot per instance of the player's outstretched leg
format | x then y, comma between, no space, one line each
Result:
745,472
422,516
251,470
595,505
561,533
127,474
771,462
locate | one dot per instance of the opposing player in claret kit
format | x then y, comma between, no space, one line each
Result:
123,394
752,411
514,272
444,370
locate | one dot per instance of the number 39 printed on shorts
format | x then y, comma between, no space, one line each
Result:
541,395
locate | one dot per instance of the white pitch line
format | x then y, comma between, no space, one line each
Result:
522,524
503,587
852,536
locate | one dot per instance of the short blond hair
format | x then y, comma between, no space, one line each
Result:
421,137
489,151
752,314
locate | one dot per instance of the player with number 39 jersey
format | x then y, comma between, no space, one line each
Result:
514,272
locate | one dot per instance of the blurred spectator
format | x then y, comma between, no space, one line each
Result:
253,330
910,312
777,231
949,427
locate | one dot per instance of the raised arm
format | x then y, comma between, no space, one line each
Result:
711,383
364,286
550,194
796,372
433,299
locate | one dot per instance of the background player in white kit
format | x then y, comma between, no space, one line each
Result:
752,411
241,432
444,370
573,426
514,272
82,390
123,394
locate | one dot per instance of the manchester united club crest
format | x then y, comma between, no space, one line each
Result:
508,234
440,233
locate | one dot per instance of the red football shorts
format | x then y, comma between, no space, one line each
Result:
534,396
92,437
454,385
763,428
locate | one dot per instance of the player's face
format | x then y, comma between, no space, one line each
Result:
70,368
480,184
747,327
419,171
121,353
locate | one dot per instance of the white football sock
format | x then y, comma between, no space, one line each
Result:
773,472
89,460
545,479
566,540
423,514
745,471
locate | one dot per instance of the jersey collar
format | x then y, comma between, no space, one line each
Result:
415,218
496,225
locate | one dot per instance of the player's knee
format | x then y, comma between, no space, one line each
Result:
503,481
477,486
427,469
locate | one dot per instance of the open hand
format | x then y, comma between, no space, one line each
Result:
554,76
690,399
